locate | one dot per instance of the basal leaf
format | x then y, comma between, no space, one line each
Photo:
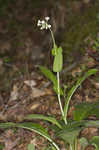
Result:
32,127
91,123
7,125
69,134
74,88
83,110
42,117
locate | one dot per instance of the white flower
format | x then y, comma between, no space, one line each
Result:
49,26
43,24
47,18
39,23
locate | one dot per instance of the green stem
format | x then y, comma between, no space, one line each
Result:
59,100
58,85
71,147
52,37
75,144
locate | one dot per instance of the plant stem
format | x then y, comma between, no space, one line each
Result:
71,147
59,100
58,84
52,37
75,144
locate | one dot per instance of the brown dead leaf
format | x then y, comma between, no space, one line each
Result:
14,94
35,106
37,93
90,147
9,140
30,83
48,91
76,71
96,84
9,145
70,113
89,132
34,141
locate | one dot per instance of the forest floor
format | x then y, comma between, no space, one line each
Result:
23,88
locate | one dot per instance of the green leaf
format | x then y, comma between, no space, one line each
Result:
69,133
56,90
32,127
7,60
83,143
74,88
7,125
31,147
54,50
48,74
50,148
91,123
83,110
58,61
95,141
1,146
42,117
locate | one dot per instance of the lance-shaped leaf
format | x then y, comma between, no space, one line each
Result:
83,110
42,117
74,88
50,75
69,132
32,127
91,123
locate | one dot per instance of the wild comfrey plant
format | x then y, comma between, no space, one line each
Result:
65,129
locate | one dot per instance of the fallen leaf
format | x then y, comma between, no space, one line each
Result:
14,94
35,105
37,93
96,84
30,83
76,71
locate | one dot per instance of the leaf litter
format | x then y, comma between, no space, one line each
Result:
24,91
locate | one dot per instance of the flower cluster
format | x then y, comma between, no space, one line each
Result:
44,24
